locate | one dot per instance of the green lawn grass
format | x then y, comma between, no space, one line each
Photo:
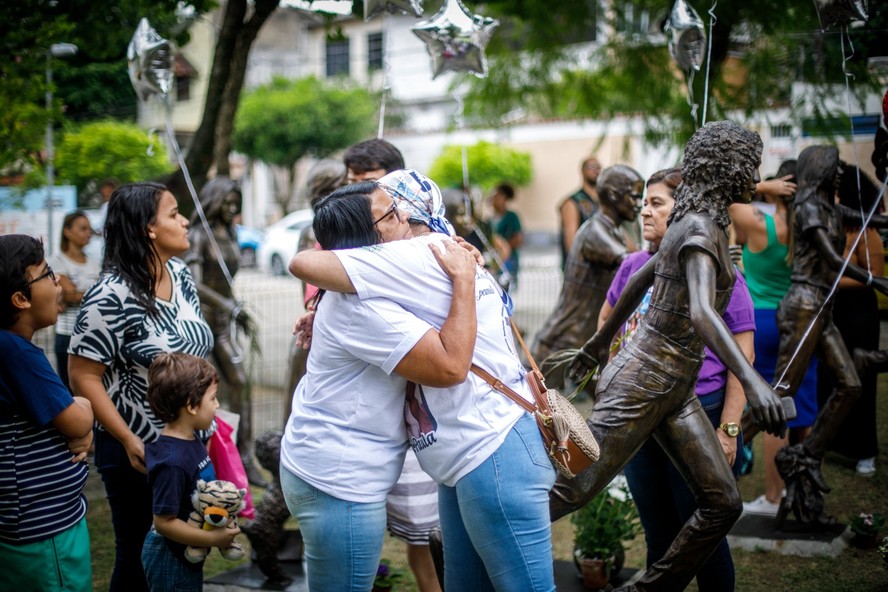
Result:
854,569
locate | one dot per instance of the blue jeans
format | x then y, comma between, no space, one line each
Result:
664,510
343,539
495,523
129,496
164,571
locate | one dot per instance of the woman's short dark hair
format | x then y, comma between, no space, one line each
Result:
507,190
18,252
344,219
128,250
671,178
66,225
176,380
370,155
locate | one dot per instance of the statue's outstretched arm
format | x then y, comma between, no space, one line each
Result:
835,262
856,218
595,351
701,270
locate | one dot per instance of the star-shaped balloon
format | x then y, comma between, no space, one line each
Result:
455,39
373,8
840,12
149,59
687,38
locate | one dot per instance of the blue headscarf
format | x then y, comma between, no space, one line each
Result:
420,197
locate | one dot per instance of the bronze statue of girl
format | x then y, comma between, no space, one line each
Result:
648,388
221,201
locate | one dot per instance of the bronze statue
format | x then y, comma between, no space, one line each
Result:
648,388
266,532
221,202
595,255
805,320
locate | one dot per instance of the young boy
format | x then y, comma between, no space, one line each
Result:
44,542
182,393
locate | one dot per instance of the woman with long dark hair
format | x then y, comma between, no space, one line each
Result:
856,314
143,304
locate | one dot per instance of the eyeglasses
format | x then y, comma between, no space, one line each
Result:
389,212
48,273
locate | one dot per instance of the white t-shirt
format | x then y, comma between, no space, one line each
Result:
83,276
346,435
452,430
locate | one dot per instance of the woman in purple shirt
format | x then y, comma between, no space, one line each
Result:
663,512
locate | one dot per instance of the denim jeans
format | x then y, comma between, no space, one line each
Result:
129,496
164,571
495,522
343,539
663,510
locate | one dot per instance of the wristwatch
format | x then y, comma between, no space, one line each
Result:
731,429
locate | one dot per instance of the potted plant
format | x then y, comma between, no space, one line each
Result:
386,577
865,529
600,527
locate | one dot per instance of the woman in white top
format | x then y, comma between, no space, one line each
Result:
483,449
345,440
76,274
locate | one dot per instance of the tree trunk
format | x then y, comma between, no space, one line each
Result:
229,65
238,68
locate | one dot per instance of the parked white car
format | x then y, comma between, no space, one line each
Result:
282,240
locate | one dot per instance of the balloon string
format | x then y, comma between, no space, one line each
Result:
848,77
845,262
691,101
237,354
198,208
385,74
712,21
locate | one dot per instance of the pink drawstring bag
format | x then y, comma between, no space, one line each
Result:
228,465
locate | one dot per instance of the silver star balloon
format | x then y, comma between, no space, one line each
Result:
149,59
687,37
455,39
840,12
373,8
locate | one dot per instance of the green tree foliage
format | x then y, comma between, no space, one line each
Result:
488,165
759,48
92,84
88,153
283,121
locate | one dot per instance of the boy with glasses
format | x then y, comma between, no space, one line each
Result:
44,542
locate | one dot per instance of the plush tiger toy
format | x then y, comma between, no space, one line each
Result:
216,504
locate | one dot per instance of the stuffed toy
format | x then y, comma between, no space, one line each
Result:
216,504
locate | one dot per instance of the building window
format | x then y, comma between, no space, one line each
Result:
337,57
183,88
374,51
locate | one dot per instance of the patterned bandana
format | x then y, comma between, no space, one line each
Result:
420,197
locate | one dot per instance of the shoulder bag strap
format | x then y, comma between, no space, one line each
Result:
535,379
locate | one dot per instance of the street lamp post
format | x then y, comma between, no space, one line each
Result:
55,50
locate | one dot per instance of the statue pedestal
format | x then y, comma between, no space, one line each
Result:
248,578
758,533
568,580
